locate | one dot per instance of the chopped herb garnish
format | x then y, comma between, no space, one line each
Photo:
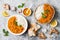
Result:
21,6
5,32
20,25
15,23
43,15
46,11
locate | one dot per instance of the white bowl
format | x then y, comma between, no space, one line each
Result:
49,20
25,25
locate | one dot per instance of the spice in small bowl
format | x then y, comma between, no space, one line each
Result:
27,11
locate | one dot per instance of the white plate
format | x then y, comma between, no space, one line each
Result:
25,25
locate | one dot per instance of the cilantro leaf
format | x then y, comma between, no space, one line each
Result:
21,6
3,30
6,33
20,25
43,15
15,23
46,11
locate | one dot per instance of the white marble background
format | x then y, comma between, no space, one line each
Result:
31,4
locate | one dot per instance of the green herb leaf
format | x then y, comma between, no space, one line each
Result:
15,23
20,6
20,25
6,33
43,15
46,11
3,30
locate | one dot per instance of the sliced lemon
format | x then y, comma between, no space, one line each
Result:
5,14
53,23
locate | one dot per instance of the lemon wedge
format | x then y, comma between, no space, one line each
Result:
53,23
5,14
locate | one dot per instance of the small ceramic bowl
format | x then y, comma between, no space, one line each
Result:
26,11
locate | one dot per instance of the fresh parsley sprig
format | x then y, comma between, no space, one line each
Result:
21,6
6,33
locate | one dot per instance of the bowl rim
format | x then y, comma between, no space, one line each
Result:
25,28
36,10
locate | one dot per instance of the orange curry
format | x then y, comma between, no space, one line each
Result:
13,27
